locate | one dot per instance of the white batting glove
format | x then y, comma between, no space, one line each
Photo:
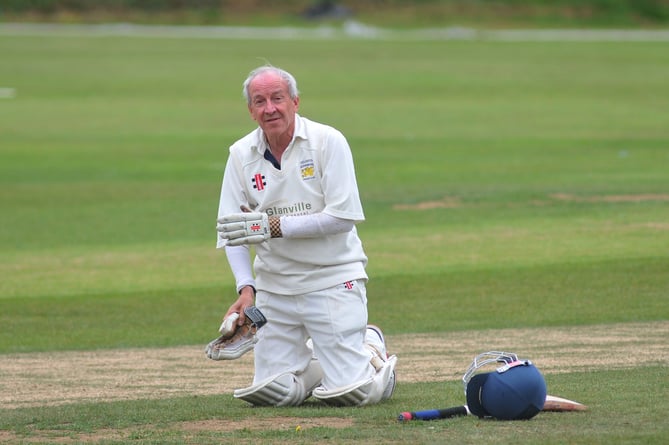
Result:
236,340
244,228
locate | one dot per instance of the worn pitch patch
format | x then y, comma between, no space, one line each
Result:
56,378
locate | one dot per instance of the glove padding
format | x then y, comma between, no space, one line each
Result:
236,340
244,228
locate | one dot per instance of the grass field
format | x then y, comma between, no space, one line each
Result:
518,187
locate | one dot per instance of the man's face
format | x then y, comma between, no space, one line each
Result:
271,105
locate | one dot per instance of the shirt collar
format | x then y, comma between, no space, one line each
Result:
300,132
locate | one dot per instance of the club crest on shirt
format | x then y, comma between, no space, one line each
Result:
307,169
258,182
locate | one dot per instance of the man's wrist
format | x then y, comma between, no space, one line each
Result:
248,286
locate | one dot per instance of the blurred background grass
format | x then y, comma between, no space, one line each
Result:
504,184
394,13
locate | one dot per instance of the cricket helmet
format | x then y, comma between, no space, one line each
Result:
514,391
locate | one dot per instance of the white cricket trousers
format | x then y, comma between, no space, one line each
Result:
336,321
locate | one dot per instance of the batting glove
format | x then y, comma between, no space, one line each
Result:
236,340
244,228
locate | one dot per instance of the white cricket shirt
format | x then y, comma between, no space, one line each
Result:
317,175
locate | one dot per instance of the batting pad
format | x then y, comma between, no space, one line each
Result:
286,389
367,392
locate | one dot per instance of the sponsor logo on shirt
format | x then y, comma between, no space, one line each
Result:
297,208
307,169
258,182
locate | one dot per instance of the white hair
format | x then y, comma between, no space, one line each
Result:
285,75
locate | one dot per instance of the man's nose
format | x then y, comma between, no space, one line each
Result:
269,107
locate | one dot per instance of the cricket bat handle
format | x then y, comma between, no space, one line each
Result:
432,414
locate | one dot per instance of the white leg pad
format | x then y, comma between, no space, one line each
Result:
286,389
367,392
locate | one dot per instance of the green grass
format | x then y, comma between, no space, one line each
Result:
110,165
156,421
